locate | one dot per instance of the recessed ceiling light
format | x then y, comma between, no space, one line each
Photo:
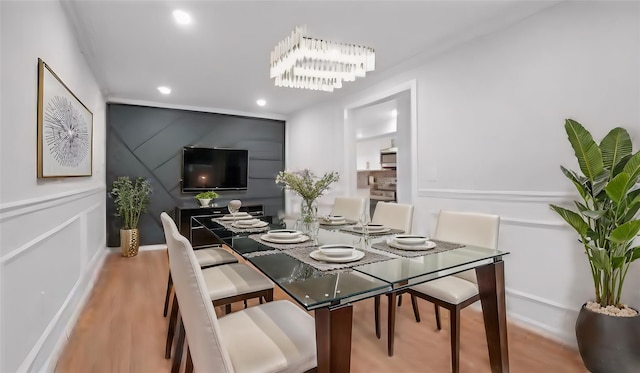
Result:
261,102
164,90
181,17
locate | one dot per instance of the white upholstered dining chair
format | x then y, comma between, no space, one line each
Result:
461,289
349,207
272,337
206,258
225,284
394,215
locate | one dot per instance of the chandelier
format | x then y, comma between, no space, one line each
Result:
300,61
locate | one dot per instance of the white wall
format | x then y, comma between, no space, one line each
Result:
490,137
52,231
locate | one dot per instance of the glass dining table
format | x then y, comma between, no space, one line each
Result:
331,289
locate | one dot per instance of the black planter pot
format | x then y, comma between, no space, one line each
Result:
608,343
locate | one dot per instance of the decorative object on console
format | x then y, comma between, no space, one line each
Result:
310,188
131,199
205,197
234,206
65,128
300,61
606,221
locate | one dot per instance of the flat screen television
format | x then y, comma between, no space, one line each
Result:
214,169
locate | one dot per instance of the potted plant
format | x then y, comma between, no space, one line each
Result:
205,197
131,199
310,188
607,223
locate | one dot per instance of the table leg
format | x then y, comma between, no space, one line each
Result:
492,297
333,338
391,321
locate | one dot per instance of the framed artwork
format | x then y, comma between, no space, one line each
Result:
65,129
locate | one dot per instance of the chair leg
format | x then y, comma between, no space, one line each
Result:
400,300
455,339
227,309
173,319
177,355
168,295
376,313
189,366
391,327
438,325
416,310
268,297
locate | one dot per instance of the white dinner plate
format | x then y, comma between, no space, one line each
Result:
410,239
336,250
334,218
317,255
428,245
247,221
373,229
299,239
236,217
284,233
333,222
258,224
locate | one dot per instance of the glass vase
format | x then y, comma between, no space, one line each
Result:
308,222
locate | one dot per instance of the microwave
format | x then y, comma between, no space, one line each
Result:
388,160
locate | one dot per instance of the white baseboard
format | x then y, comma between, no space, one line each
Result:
90,276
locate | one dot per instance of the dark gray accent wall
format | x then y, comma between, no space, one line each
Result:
147,142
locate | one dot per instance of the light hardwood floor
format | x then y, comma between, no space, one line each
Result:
122,329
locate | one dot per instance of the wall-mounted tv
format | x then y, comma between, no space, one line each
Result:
214,169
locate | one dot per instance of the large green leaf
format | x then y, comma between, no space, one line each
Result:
600,183
633,204
633,254
574,219
618,187
633,168
621,164
595,215
615,146
625,232
579,181
617,261
600,259
587,151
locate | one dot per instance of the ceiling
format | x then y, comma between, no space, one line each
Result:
221,60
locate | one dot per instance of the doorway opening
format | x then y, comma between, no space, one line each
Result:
380,146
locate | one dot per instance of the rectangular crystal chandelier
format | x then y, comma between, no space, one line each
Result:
300,61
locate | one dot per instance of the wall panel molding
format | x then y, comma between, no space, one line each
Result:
497,195
537,299
83,285
532,223
12,255
17,208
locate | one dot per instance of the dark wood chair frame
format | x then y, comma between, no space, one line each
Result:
490,284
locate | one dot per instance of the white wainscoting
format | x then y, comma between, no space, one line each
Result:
546,274
52,250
